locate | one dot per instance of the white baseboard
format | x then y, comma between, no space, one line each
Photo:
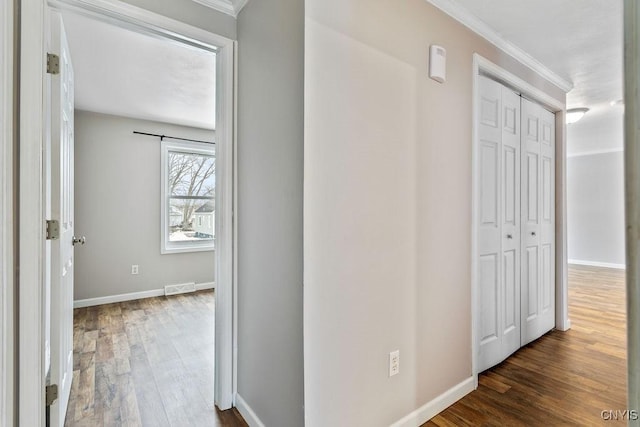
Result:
597,264
205,285
247,413
437,405
132,296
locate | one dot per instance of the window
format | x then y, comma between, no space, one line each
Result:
188,197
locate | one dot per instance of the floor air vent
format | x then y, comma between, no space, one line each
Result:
181,288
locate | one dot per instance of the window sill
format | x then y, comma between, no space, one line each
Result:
181,249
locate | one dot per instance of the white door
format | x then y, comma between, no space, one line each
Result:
61,193
538,221
498,189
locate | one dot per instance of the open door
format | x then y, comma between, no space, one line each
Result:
60,189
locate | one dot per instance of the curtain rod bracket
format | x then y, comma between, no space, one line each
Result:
162,137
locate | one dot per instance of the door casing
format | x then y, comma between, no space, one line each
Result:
482,66
34,15
7,224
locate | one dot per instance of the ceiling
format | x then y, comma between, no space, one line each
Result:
579,40
126,73
123,72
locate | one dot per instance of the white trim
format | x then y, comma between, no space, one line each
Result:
225,146
597,264
31,353
596,152
224,6
235,222
31,234
437,405
485,66
6,216
240,4
89,302
474,226
230,7
482,66
247,413
466,18
562,253
120,13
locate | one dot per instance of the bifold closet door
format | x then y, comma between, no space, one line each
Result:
498,190
538,221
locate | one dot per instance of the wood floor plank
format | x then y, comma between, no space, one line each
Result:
563,378
135,361
146,363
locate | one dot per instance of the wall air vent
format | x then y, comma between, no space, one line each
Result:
181,288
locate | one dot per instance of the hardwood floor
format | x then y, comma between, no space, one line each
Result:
146,363
150,363
564,378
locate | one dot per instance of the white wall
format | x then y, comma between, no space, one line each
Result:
270,162
387,199
117,207
600,130
595,209
595,188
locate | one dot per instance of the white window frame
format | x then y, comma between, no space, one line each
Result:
168,247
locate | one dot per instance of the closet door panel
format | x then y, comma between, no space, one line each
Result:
538,225
489,190
547,223
498,188
510,181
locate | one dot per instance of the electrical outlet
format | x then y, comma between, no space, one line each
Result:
134,269
394,363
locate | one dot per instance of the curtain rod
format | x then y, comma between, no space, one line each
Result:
162,137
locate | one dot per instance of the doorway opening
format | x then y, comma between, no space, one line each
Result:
596,235
140,361
117,174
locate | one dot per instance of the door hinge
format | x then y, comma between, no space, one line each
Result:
50,394
53,229
53,63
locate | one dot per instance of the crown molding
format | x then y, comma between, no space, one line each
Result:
466,18
230,7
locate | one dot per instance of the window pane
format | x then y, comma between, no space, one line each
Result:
191,174
191,220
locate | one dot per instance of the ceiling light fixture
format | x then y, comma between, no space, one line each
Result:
575,114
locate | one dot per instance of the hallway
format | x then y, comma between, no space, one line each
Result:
564,378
